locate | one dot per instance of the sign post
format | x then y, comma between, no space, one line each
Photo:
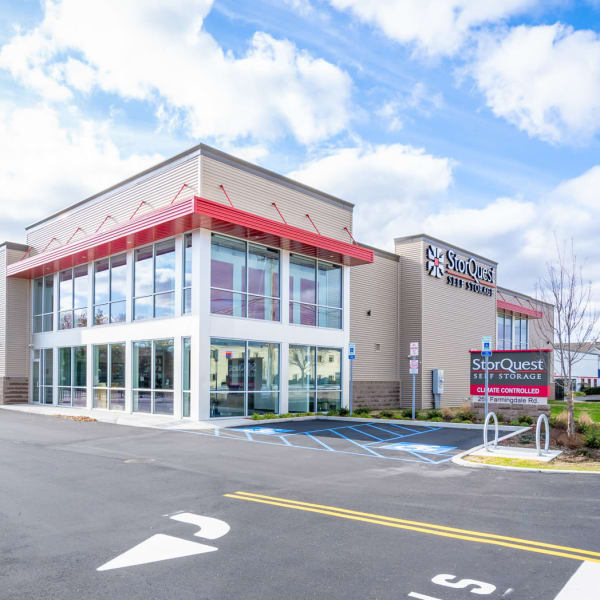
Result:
351,357
413,370
486,352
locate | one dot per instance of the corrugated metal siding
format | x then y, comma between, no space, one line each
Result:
18,322
411,275
375,287
255,194
157,189
3,281
454,320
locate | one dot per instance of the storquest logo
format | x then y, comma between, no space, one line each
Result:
435,261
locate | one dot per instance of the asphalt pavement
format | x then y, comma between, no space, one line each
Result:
169,515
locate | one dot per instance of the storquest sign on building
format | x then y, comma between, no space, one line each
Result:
515,376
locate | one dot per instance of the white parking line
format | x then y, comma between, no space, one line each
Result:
583,584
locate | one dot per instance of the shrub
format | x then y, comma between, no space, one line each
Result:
501,417
561,420
592,438
386,414
572,442
433,413
362,410
526,420
456,420
447,414
286,416
256,417
343,412
332,413
515,422
406,413
436,419
592,391
464,412
422,416
467,421
584,422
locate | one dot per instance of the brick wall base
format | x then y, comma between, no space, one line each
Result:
510,411
14,390
376,394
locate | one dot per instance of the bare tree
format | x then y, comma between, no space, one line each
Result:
574,322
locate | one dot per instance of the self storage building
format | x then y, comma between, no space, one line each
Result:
209,287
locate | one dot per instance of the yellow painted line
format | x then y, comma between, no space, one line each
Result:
427,525
388,523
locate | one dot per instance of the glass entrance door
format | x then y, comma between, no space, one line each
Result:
35,377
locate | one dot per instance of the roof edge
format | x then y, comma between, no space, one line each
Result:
381,253
524,296
15,246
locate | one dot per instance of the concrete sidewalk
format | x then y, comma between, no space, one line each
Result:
137,420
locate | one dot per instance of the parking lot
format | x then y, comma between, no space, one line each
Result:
392,441
94,510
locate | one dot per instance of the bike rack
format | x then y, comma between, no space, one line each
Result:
485,431
538,434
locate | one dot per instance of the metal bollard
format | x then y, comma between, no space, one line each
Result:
538,434
485,431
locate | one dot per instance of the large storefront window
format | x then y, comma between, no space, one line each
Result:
244,378
43,303
153,368
187,273
109,376
244,279
521,341
73,297
315,292
72,376
42,376
315,379
187,371
110,289
154,278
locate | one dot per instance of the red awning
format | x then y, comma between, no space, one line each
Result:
519,308
184,216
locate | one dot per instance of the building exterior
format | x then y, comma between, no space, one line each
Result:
585,373
209,287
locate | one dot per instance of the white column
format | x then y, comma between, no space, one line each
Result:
178,275
346,326
177,377
89,396
129,287
201,339
284,349
128,375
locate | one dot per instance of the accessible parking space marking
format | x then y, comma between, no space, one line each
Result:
428,528
362,439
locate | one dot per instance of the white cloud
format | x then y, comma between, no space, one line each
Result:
432,27
157,51
543,79
48,164
419,100
393,186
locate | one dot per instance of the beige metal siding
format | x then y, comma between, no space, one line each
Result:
454,319
255,193
18,321
375,287
411,275
156,189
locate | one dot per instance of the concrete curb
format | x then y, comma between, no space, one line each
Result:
458,460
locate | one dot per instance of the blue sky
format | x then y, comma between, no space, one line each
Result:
473,120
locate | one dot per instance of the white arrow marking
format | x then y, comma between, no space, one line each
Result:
156,548
583,584
210,529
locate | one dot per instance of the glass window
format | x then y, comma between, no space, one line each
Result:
154,279
72,297
110,289
43,303
244,279
500,331
187,273
153,363
72,376
508,331
42,376
186,387
244,378
524,334
310,393
109,376
315,292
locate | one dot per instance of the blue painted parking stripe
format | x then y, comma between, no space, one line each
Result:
355,428
312,437
356,443
400,437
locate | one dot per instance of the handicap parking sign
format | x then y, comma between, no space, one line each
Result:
418,448
266,430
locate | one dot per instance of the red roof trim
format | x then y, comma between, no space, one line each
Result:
530,312
184,216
